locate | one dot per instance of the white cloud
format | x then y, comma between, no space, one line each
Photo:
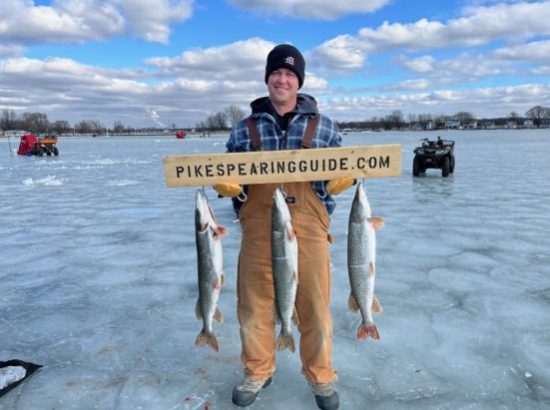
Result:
151,19
340,53
536,51
480,25
482,102
229,64
466,68
541,70
10,50
65,21
424,64
238,60
470,66
77,21
311,9
66,89
414,84
314,84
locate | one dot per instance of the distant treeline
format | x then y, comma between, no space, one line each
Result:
37,122
535,117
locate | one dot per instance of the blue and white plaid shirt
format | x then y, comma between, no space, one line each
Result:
273,138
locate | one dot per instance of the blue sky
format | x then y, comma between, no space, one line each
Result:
147,62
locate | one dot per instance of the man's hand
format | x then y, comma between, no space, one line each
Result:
338,185
228,189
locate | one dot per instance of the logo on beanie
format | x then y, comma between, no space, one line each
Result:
289,60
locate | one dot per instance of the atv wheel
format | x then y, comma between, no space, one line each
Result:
55,151
446,166
416,166
452,167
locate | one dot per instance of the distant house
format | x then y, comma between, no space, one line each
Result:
453,124
511,124
528,123
15,133
488,125
471,125
545,123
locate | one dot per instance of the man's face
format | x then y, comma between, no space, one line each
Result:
283,85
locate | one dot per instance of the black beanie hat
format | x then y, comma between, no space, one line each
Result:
286,56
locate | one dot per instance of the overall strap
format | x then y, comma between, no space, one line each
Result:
255,139
310,131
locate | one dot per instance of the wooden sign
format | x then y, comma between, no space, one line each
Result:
260,167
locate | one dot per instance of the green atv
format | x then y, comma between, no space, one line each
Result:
434,154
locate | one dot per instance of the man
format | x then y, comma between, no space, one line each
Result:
280,122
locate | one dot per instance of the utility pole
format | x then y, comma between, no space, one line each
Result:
9,145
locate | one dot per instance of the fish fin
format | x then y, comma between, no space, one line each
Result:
207,339
222,276
296,277
352,303
218,316
198,313
290,231
295,318
372,269
365,331
276,317
376,305
217,284
220,231
377,222
285,341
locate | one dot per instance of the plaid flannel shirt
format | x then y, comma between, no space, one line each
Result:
273,138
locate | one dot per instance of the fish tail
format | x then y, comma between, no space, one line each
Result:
285,341
205,338
365,331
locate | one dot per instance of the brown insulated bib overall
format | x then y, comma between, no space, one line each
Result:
255,288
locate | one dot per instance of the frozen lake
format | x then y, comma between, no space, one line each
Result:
98,282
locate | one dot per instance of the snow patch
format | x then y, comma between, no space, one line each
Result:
124,182
50,180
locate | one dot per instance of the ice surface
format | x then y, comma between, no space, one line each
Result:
98,282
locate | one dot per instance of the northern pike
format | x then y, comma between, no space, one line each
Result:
362,229
284,259
208,235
